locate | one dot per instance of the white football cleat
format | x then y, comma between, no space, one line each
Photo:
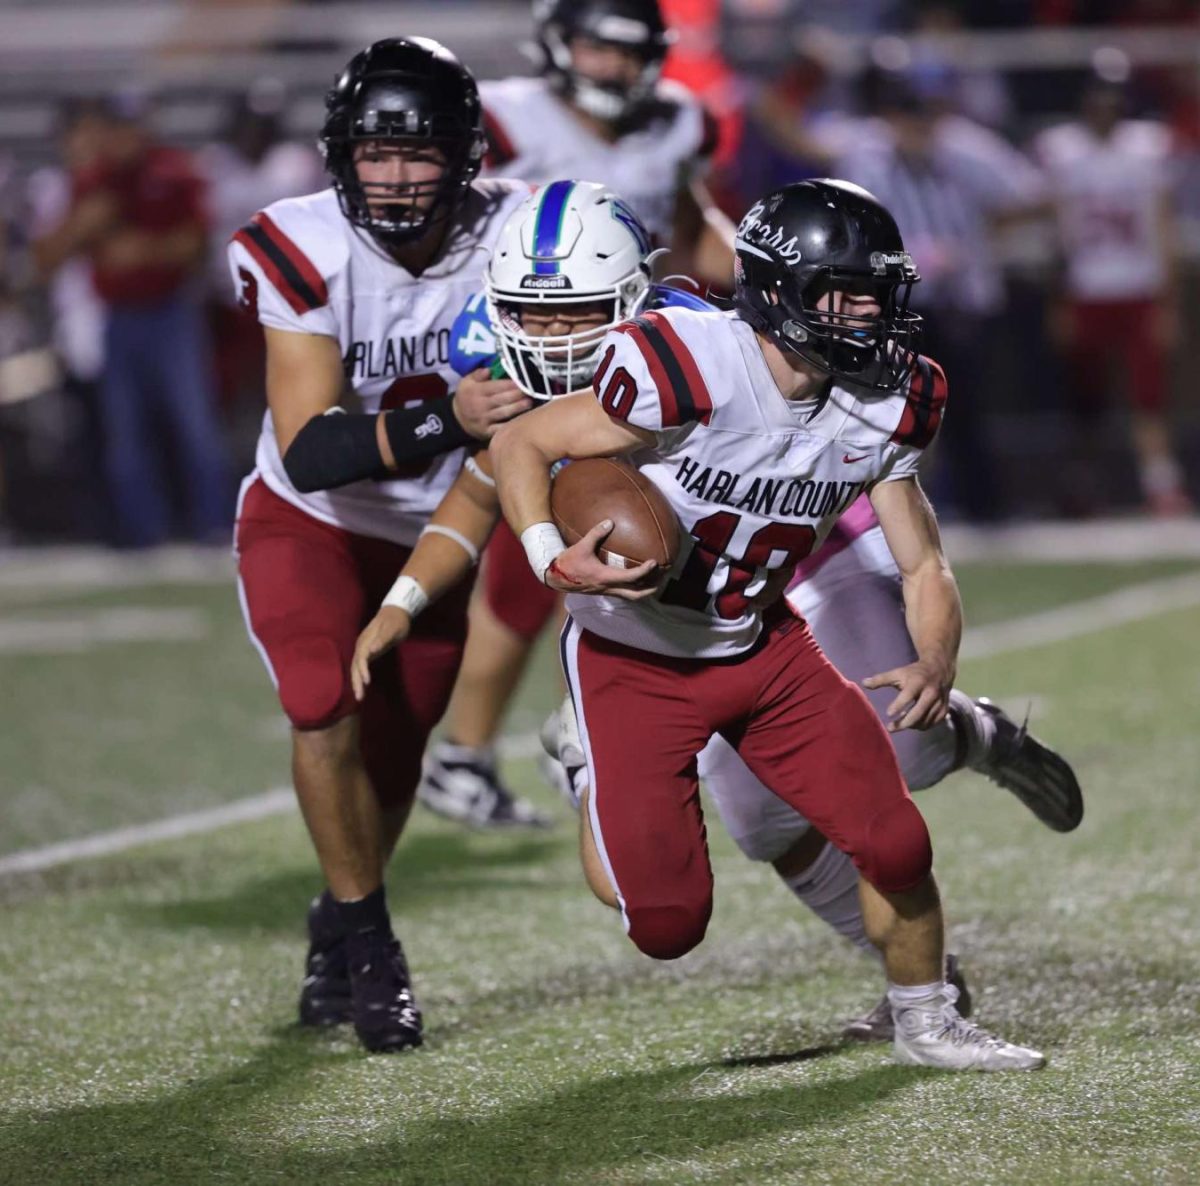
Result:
933,1033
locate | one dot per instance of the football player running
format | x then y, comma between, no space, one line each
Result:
761,427
597,110
868,634
367,426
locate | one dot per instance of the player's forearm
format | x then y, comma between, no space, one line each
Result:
933,611
337,448
450,546
522,468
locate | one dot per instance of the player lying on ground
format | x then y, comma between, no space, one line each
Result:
596,109
357,287
469,510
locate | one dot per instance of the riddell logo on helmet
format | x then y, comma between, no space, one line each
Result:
766,235
882,260
545,282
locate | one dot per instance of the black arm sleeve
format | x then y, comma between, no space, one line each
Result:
338,448
416,434
333,450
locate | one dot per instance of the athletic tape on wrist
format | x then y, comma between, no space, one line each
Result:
407,594
457,536
542,544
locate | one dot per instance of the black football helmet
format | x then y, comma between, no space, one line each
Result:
412,91
810,238
633,25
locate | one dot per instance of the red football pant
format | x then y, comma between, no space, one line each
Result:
803,730
307,590
514,594
1104,331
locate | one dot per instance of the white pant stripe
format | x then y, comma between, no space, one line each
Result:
569,649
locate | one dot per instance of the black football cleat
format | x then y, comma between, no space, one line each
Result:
325,994
385,1013
1042,779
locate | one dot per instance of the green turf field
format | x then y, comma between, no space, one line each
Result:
147,1031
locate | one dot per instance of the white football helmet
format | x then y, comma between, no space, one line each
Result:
569,243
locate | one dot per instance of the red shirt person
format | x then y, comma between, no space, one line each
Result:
138,216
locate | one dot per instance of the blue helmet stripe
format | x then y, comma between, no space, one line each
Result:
549,227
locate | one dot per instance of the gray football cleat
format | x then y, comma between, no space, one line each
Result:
933,1033
877,1025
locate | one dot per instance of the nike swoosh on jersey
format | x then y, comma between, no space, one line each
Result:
850,460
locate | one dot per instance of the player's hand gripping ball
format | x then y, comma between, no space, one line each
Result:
644,526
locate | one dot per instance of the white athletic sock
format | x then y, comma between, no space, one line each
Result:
829,888
905,996
977,728
477,755
1161,475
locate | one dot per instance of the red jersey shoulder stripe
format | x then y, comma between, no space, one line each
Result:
500,150
682,393
286,266
924,404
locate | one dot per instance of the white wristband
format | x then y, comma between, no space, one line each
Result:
407,594
542,543
457,536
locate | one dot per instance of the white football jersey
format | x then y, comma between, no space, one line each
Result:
1108,193
532,134
756,481
301,266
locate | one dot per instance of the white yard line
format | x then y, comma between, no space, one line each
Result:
1131,604
61,634
102,844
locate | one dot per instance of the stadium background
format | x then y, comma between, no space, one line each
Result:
151,863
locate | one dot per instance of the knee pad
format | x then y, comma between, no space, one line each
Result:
897,853
667,932
314,684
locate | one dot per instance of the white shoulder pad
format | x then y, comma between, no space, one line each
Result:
649,376
285,259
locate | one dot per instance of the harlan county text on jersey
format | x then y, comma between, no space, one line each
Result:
397,356
793,498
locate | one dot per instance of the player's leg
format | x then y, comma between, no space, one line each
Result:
304,600
512,607
131,469
188,399
407,698
855,609
640,732
1163,487
814,739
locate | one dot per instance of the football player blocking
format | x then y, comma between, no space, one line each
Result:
357,287
765,827
597,109
808,395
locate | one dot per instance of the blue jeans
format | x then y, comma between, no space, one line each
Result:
157,389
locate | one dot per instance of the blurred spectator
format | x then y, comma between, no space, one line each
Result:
137,214
1111,183
76,315
949,182
251,166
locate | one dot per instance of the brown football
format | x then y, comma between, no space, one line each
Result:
644,526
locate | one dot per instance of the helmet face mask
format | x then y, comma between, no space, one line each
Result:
573,253
407,98
569,29
821,269
545,365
